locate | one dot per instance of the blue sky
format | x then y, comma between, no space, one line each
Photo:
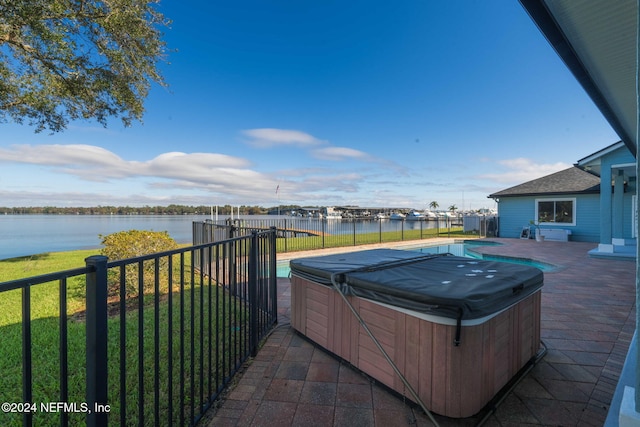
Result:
333,103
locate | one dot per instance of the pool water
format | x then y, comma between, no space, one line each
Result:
282,269
466,250
458,249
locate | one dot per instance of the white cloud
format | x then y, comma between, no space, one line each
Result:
58,175
197,160
340,154
59,155
78,199
270,137
520,170
172,175
97,164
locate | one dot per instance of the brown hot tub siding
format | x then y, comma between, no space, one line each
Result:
452,381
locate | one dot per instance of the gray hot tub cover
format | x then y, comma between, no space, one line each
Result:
445,285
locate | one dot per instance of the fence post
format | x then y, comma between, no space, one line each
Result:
96,327
194,232
284,234
253,294
231,228
273,279
233,276
354,231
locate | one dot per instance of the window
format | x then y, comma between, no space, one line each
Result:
556,211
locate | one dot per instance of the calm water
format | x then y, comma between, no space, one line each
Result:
22,235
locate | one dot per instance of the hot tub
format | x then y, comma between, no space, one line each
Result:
458,329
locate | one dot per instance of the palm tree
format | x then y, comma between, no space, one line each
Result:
453,208
434,205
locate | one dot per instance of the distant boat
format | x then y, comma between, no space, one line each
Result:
381,216
447,215
333,215
430,215
415,216
396,215
330,212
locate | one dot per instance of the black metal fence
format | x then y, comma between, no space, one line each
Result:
157,342
295,234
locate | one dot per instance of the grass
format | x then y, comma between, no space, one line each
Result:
45,344
44,299
355,239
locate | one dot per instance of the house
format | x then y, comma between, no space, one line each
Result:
566,200
571,204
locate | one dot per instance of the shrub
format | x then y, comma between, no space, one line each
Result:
131,244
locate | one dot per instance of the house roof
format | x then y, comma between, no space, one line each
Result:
569,181
593,162
597,40
600,153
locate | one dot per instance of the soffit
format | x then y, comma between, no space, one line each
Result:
597,40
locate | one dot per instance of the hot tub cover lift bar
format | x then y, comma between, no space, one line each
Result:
382,350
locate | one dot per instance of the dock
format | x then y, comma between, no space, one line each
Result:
296,232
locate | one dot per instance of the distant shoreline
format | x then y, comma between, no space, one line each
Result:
143,210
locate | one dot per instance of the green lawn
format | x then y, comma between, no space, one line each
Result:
341,240
45,339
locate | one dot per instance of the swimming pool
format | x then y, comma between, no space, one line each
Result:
282,269
466,249
460,249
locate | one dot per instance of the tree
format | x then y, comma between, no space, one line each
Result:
453,208
62,60
434,205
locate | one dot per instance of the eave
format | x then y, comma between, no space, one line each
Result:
597,40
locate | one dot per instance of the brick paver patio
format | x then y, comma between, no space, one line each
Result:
588,320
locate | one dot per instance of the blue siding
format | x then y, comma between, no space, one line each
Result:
619,156
516,212
587,228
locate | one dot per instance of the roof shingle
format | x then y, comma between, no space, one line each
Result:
569,181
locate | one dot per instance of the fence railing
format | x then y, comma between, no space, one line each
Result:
295,234
157,338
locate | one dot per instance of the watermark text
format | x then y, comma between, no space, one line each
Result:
53,407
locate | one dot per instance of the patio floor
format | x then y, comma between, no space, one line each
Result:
588,320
